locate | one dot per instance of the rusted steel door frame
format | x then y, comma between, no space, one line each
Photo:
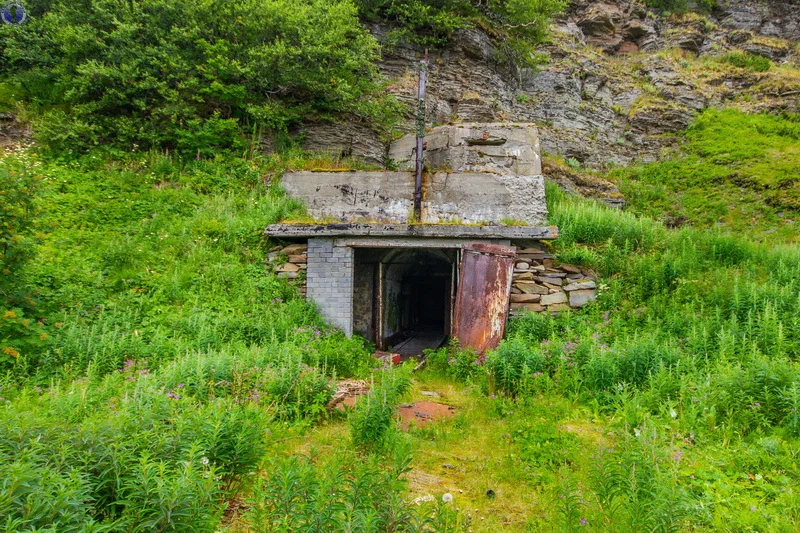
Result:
482,296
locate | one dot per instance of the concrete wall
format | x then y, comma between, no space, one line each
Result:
474,173
330,281
501,148
467,197
353,196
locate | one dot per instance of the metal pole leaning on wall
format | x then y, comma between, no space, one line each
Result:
420,131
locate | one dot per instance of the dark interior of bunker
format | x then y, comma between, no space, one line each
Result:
403,297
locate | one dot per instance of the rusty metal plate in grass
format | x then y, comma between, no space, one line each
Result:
484,284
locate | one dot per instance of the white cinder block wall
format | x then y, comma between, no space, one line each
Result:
330,281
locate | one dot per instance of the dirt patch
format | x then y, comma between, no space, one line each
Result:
422,413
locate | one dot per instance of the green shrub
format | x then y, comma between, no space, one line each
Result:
342,493
463,365
524,23
198,77
515,368
19,188
682,6
543,445
124,454
641,358
637,488
372,420
745,60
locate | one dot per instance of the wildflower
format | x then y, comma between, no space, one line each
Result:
447,497
8,350
205,461
9,315
43,337
584,521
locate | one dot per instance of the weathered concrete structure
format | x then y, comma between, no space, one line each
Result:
477,251
489,173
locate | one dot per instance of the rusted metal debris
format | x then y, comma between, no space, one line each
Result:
481,306
423,413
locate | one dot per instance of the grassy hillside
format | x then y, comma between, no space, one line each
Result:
154,376
734,171
155,369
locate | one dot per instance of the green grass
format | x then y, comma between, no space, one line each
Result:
735,171
747,61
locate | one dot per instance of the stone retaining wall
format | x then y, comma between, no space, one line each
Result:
538,284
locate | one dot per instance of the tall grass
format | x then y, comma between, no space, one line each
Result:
165,353
694,341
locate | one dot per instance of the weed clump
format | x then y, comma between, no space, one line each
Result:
372,421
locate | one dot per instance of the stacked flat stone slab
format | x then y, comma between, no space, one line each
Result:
329,281
475,173
290,262
539,285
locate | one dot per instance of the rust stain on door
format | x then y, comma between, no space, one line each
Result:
481,306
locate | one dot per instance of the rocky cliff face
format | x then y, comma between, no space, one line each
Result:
620,78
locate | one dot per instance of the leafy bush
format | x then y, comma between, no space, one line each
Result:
514,367
543,445
524,23
125,455
636,487
19,188
193,76
464,365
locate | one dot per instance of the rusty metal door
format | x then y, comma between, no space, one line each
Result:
484,284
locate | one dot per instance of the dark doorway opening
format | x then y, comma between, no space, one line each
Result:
403,297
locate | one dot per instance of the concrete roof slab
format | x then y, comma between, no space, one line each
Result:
412,231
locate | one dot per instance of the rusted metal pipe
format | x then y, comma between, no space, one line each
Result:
420,131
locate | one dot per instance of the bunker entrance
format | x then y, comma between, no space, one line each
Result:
403,298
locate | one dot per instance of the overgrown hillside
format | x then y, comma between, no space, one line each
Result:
154,376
